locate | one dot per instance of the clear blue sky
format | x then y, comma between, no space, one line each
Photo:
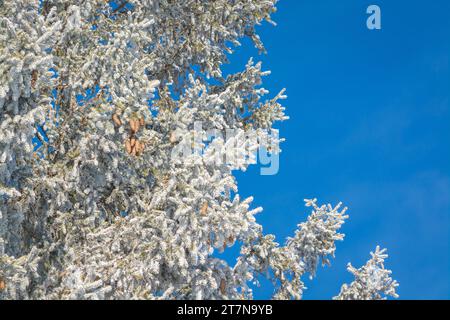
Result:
370,126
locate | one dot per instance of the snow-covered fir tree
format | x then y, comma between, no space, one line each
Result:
112,206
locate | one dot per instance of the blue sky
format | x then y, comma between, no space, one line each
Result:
370,127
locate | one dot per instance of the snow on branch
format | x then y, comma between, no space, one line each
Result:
372,281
